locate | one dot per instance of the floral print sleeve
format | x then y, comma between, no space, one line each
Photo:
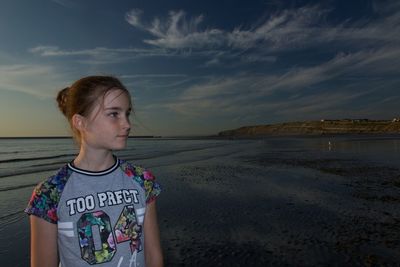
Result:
151,187
145,178
45,197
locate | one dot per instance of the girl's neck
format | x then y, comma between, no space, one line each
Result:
91,160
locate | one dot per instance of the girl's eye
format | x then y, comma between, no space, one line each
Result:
113,114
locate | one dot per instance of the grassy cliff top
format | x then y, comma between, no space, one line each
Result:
346,126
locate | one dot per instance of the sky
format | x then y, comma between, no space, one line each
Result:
200,67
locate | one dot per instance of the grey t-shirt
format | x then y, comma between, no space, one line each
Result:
99,215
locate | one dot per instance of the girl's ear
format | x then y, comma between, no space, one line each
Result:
78,122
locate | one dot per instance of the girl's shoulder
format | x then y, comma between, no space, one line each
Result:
140,172
46,195
59,178
53,185
144,177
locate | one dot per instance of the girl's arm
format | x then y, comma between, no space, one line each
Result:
152,245
44,251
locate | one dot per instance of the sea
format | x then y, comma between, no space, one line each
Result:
24,162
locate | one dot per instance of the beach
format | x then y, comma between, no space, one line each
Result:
263,202
278,209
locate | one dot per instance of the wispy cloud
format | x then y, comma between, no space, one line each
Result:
65,3
133,17
156,81
370,51
135,76
176,31
99,55
306,91
179,35
29,79
342,66
245,105
327,104
285,30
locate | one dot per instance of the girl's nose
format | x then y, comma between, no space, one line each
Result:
126,123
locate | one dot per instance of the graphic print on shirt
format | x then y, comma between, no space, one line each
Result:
85,232
126,228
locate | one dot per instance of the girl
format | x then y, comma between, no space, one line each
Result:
97,209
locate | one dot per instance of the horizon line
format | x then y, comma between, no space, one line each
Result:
132,136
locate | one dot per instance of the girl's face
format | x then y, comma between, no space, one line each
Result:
107,126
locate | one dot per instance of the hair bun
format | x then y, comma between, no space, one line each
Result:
62,98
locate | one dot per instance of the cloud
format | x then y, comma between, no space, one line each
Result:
329,88
99,55
288,29
233,100
133,17
218,97
98,51
65,3
177,32
178,35
103,55
370,48
47,51
135,76
327,104
29,79
155,81
362,65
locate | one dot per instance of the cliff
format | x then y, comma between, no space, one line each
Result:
318,128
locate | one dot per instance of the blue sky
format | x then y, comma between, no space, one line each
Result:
199,67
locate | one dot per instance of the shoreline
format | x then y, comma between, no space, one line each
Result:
230,137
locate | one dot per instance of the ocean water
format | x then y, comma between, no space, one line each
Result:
25,162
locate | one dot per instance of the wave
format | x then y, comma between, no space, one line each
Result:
37,158
11,218
128,156
8,188
30,170
123,155
35,151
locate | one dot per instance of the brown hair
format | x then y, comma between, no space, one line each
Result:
81,96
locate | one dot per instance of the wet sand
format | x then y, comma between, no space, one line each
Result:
287,208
